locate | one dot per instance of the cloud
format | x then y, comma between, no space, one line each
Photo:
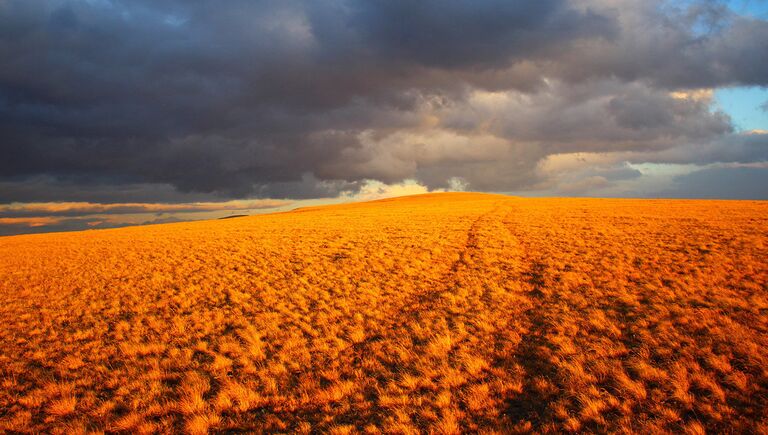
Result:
31,222
24,218
721,183
457,34
33,225
178,102
39,210
372,190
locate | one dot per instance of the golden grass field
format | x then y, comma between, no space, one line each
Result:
439,313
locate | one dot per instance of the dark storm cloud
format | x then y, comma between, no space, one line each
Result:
701,44
457,33
74,189
74,224
721,183
172,101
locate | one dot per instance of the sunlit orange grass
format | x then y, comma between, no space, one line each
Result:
439,313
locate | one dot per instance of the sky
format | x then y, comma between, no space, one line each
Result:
747,107
118,113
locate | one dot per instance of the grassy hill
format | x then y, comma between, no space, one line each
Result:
438,313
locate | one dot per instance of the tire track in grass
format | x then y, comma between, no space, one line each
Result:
422,301
416,308
459,303
487,274
530,408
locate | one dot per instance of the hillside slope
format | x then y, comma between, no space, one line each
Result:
442,313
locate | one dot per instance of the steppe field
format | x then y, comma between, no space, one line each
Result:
440,313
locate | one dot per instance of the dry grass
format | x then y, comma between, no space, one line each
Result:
439,313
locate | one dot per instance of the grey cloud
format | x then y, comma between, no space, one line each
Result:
640,113
736,148
76,224
73,189
721,183
455,33
600,116
73,224
60,209
622,172
176,101
700,45
588,181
